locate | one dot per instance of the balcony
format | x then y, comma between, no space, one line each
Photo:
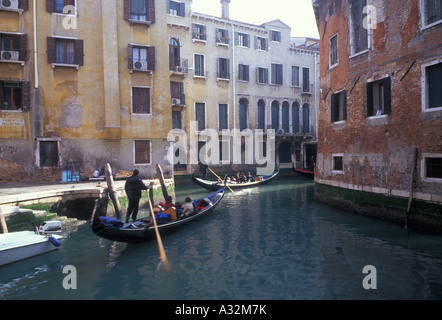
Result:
178,67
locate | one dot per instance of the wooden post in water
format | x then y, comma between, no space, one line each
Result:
112,193
412,174
3,225
160,177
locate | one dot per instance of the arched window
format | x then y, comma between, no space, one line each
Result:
261,114
285,117
174,54
275,115
306,118
295,117
243,104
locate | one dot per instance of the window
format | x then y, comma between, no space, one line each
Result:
333,54
176,120
142,151
224,151
295,117
199,32
141,58
338,165
199,65
432,12
261,114
176,8
275,115
174,54
223,68
359,34
261,43
139,11
285,117
13,47
222,36
295,76
48,153
58,6
275,36
14,95
433,167
243,40
65,51
222,117
276,74
243,106
200,116
306,80
177,93
243,72
141,100
379,97
339,106
305,118
262,75
432,84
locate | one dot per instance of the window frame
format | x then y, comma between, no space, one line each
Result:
336,156
135,152
385,83
330,58
199,32
132,101
203,104
195,69
296,82
38,157
276,33
223,68
423,15
423,167
242,40
353,52
425,87
264,74
243,72
24,87
277,74
334,97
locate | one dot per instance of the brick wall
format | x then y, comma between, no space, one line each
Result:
12,172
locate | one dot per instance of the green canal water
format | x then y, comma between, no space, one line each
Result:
267,243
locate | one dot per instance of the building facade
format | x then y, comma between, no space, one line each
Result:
380,114
85,83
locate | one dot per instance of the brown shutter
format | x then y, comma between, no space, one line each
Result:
79,54
50,6
24,5
26,95
126,9
24,47
151,58
52,58
150,10
130,58
136,100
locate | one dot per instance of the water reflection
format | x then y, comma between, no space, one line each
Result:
270,242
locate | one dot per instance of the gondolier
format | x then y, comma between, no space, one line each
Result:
133,187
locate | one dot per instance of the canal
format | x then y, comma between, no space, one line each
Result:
272,242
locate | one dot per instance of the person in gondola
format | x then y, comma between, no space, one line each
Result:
188,207
250,178
168,203
203,169
133,187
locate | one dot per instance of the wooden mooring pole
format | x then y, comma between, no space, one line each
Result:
112,193
160,177
3,225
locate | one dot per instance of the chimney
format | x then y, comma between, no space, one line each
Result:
225,9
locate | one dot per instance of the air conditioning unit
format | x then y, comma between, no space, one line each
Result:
281,131
140,65
9,55
9,4
176,101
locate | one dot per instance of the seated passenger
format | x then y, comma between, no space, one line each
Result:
250,178
202,203
179,209
188,208
168,203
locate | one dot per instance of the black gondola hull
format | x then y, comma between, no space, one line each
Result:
140,235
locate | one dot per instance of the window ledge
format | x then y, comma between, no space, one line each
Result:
222,44
428,26
199,40
140,70
199,77
223,79
357,54
14,61
76,66
339,125
377,120
20,11
139,22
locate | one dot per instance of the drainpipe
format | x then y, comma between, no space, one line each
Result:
35,45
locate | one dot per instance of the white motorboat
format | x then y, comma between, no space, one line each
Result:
16,246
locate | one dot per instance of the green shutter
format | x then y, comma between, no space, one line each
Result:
368,111
387,95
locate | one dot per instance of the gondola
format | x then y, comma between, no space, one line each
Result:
306,173
142,230
215,185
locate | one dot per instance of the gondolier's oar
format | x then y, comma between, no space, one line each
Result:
160,243
222,180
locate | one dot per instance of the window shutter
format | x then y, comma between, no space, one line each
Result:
151,58
387,95
266,76
236,38
24,5
126,8
50,5
26,95
52,58
182,92
182,9
150,10
344,106
1,94
130,54
79,55
368,110
246,71
333,108
23,47
248,40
